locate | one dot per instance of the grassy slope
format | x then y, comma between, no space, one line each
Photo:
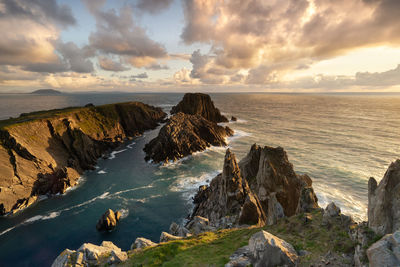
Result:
214,248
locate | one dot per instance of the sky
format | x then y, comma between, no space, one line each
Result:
200,45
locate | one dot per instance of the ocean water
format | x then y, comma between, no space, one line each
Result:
339,140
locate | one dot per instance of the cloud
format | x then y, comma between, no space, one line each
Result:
40,11
108,64
140,76
117,34
156,66
270,38
153,6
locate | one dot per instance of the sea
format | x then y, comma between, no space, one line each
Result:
339,140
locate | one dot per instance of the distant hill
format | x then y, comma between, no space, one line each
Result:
46,92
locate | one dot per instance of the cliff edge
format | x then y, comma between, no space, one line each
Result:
46,152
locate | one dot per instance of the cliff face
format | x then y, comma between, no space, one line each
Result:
199,104
262,188
48,152
384,201
184,134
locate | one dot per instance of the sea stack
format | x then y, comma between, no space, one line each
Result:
199,104
193,128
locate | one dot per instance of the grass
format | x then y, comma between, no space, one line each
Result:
214,248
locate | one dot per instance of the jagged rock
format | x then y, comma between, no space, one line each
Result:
229,194
233,118
165,237
199,104
269,250
268,170
184,134
142,242
48,153
108,220
331,212
384,201
91,255
308,200
361,236
178,230
240,258
385,252
275,210
199,225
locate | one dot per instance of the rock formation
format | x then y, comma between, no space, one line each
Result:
184,134
261,189
233,118
46,152
199,104
265,250
384,201
91,255
385,252
108,220
142,242
229,195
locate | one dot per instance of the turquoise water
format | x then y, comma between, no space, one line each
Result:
339,140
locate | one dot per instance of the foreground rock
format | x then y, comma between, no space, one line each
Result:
199,104
142,242
46,153
183,135
265,250
385,252
91,255
262,188
108,220
384,201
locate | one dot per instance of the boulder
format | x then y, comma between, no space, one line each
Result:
183,135
117,257
165,237
64,258
308,200
269,250
233,118
386,251
142,242
199,104
199,225
241,258
384,201
330,213
108,220
178,230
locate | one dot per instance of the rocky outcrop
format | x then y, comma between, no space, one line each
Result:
229,195
184,134
265,250
384,201
178,230
46,152
165,237
91,255
142,242
199,104
385,252
262,188
108,220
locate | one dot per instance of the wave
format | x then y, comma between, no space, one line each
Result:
124,213
112,155
237,134
101,172
130,146
189,185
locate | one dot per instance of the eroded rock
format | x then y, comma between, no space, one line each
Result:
386,251
142,242
108,220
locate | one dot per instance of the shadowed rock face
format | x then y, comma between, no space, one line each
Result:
384,201
229,195
48,153
199,104
262,188
184,134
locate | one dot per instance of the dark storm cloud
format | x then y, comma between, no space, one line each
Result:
40,11
153,6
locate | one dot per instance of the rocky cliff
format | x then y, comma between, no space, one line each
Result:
199,104
384,201
262,188
46,152
184,134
